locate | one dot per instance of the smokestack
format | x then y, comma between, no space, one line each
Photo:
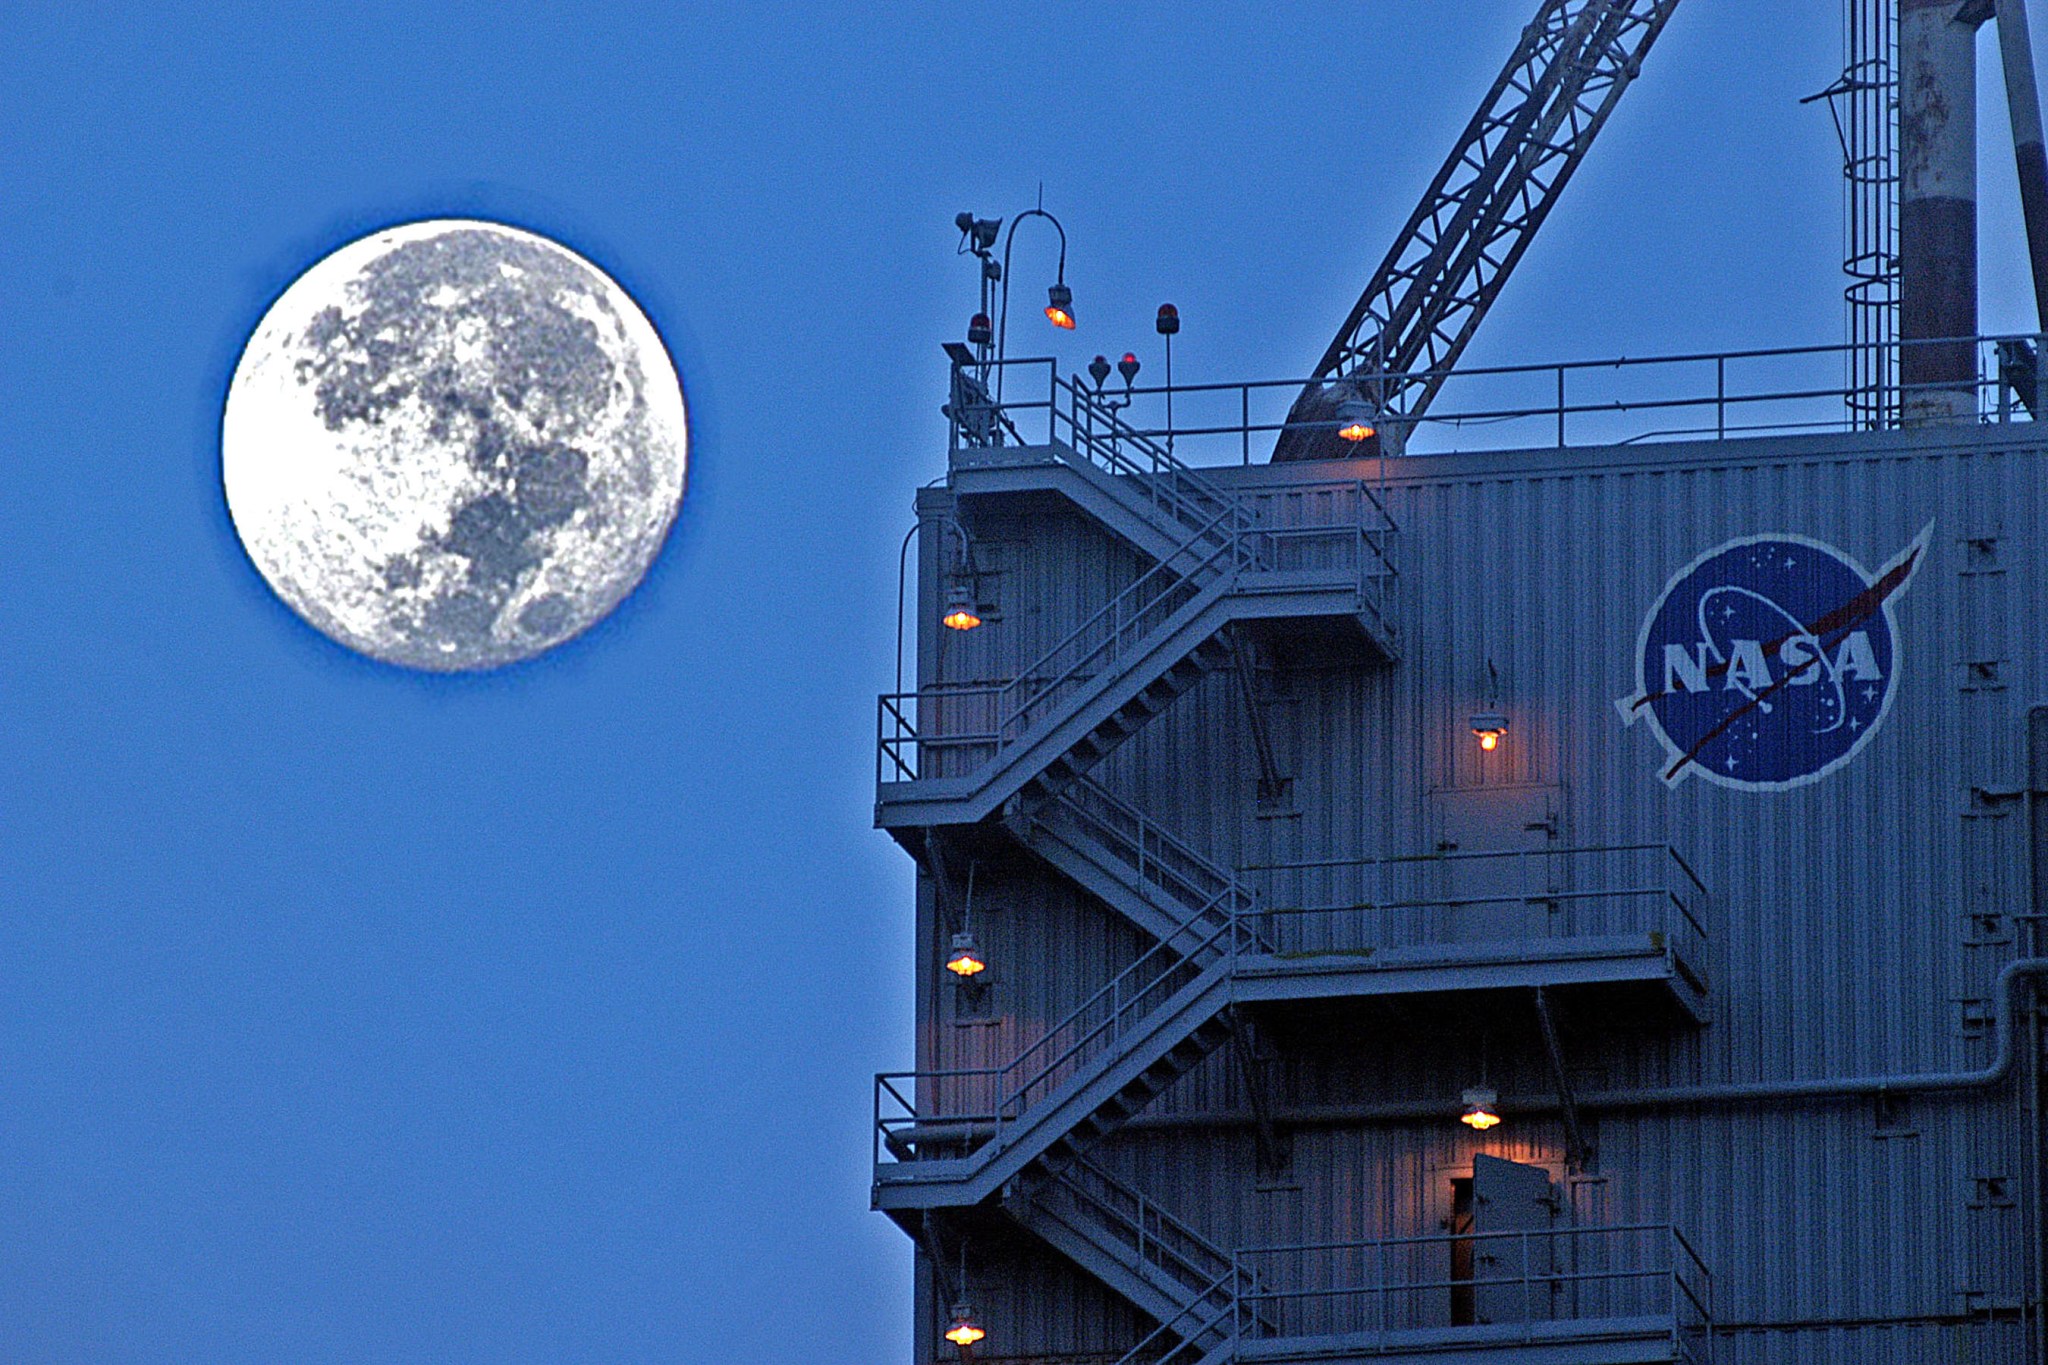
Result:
1937,211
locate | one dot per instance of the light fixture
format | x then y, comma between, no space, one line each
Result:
1128,367
1354,420
964,1331
1489,726
965,961
980,331
1482,1109
960,613
1059,306
977,234
1168,323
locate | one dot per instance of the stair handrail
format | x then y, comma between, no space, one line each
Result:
1021,694
895,726
1088,787
1188,1268
1108,454
1248,1283
1115,611
1241,899
1120,1006
1007,1109
1189,1326
1185,1234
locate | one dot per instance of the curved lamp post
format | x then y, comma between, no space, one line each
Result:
1059,307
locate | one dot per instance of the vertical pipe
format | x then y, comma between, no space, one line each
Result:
2037,859
1937,211
2023,98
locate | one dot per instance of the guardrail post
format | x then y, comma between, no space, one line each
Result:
1720,396
1560,407
1236,1298
1708,1276
2041,379
1528,1304
1677,1321
1380,1284
1052,397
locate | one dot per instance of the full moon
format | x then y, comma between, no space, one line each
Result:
453,445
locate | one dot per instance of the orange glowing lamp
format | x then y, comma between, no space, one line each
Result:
965,961
1489,726
960,613
964,1331
1354,421
1059,307
1482,1109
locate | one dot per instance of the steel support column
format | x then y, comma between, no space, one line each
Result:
2023,100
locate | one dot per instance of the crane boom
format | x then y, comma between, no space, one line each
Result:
1448,264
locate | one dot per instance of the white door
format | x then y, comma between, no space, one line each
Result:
1513,1273
1499,870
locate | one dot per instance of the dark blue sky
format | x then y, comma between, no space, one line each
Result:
354,1015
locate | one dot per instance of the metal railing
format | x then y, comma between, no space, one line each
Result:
1190,1334
1542,1282
982,719
1152,854
1087,424
1350,906
1364,904
1153,1236
959,1111
1707,395
993,716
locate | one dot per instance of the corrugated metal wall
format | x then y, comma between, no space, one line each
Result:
1849,934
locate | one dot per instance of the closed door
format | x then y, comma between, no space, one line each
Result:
1499,872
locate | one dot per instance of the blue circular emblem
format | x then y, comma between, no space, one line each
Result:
1769,661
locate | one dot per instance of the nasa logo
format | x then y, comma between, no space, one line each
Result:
1769,661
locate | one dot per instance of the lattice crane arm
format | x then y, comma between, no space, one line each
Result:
1478,216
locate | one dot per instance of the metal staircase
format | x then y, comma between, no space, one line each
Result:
1015,1135
950,755
1081,1081
1154,1260
1018,1124
1126,481
1203,1333
1104,843
1009,763
954,755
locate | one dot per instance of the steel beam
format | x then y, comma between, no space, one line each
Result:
1447,265
2023,100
